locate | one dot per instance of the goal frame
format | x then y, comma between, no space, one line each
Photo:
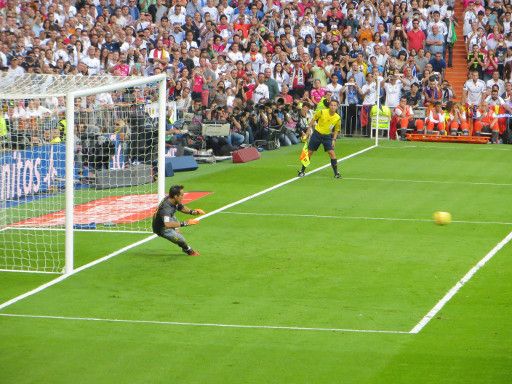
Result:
70,145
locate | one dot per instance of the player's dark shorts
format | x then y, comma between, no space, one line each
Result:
316,139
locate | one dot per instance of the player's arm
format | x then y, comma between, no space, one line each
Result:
336,130
312,123
193,212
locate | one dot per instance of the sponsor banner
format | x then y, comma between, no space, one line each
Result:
42,169
27,172
113,209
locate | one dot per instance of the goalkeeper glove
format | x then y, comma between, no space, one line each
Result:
197,212
189,222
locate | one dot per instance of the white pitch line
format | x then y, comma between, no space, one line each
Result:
282,184
35,272
453,291
179,323
428,181
476,147
21,228
79,269
136,244
359,218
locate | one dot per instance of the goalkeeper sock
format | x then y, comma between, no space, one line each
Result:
334,165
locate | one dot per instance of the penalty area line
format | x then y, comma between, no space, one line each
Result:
453,291
145,240
213,325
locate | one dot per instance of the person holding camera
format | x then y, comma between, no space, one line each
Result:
323,129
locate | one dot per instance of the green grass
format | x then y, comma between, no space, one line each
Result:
358,254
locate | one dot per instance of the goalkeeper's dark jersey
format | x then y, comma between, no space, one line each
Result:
164,214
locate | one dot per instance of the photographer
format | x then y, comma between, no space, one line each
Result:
288,134
236,136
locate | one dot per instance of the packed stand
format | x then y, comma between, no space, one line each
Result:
265,67
488,91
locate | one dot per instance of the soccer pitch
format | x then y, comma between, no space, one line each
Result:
312,280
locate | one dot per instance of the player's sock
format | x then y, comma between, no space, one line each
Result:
184,246
334,165
303,169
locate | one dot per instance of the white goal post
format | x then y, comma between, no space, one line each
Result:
37,225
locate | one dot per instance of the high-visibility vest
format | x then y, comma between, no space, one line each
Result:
384,117
321,105
62,125
3,126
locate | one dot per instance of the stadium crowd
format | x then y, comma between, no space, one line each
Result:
265,66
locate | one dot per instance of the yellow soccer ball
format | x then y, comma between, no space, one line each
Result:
442,218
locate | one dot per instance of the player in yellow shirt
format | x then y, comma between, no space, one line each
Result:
328,125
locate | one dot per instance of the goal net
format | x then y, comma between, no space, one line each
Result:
78,155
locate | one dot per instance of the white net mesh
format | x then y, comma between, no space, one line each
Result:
114,174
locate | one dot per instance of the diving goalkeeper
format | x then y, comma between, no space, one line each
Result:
328,125
165,223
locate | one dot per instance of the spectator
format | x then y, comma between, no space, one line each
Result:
414,96
448,93
458,120
490,65
435,40
438,64
474,90
415,37
261,91
393,88
404,113
486,121
273,87
436,121
496,81
476,60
